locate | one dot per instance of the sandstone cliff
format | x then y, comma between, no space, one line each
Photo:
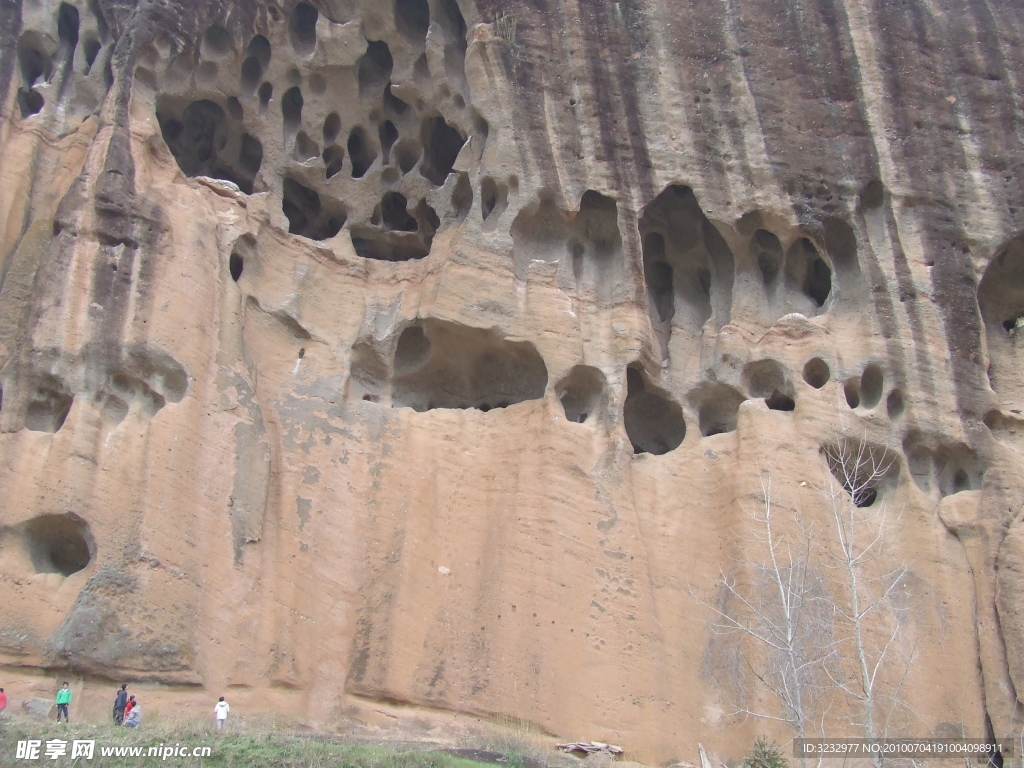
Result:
428,351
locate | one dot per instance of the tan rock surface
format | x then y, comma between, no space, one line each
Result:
427,353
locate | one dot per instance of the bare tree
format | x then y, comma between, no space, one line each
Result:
783,613
867,582
821,612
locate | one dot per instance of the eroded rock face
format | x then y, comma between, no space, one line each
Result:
429,351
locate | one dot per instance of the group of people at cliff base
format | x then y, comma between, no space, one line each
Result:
126,709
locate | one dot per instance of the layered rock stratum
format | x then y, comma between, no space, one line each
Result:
430,352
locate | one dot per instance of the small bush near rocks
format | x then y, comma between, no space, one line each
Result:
765,754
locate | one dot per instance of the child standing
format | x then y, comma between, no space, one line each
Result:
63,699
221,712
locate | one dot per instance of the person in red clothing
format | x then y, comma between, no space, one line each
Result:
3,700
129,706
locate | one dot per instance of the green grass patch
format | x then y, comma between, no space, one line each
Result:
240,746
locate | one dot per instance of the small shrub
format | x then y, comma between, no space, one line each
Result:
765,754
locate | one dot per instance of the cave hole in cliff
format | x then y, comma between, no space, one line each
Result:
462,197
408,153
866,471
808,273
493,198
216,43
395,214
302,28
234,107
768,380
291,109
446,365
252,74
129,388
894,405
540,232
597,231
334,159
780,401
581,393
769,255
763,378
675,232
1001,301
49,405
331,128
852,392
441,146
872,196
659,278
654,423
91,47
30,101
374,69
401,236
412,350
32,59
305,148
872,384
58,543
361,151
817,372
259,49
717,407
941,463
235,266
412,18
308,214
388,134
266,92
67,26
250,158
204,143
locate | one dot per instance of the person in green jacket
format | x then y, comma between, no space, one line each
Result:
63,699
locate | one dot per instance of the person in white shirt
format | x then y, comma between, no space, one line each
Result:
221,712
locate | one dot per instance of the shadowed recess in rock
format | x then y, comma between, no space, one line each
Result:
374,69
717,407
866,471
58,543
688,267
770,380
587,243
302,28
582,393
445,365
1001,301
309,215
216,43
362,152
817,372
396,235
462,197
442,144
412,18
493,198
654,423
942,464
206,143
49,405
807,275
